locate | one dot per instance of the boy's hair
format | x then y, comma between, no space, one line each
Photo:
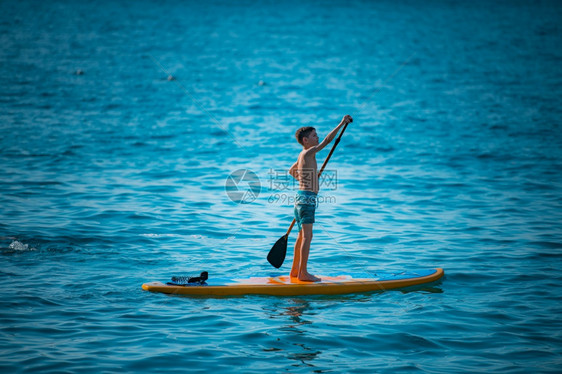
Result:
303,132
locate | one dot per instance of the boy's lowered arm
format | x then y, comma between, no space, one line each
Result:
293,170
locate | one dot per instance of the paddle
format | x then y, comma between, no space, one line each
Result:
276,255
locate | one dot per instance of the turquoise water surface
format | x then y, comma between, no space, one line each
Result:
122,123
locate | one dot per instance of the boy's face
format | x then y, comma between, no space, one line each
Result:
311,139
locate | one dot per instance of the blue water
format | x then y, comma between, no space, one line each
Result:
113,175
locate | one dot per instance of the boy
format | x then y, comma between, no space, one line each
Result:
305,171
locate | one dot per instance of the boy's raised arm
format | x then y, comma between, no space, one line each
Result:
331,135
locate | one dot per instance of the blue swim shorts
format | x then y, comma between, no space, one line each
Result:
305,207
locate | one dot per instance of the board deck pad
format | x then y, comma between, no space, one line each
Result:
286,286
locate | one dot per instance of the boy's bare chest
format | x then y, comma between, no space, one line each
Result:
308,163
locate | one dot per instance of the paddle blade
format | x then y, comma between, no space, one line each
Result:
278,252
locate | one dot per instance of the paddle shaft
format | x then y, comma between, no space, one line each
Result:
321,170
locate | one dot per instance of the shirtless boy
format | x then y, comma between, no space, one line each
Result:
305,170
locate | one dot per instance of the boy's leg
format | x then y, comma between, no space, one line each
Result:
297,256
304,275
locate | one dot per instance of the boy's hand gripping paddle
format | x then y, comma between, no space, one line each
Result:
277,254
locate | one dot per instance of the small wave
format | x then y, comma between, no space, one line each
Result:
161,235
152,235
198,236
19,246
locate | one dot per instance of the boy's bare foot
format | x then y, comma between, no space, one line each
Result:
294,274
308,278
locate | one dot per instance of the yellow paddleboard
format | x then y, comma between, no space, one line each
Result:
286,286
